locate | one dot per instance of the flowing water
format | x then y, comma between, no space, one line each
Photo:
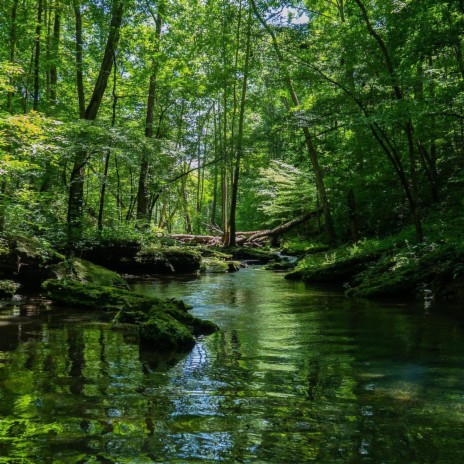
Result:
296,375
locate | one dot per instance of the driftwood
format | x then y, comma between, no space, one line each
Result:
251,238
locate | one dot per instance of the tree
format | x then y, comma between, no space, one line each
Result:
76,189
310,145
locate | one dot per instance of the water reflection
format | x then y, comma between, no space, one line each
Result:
296,375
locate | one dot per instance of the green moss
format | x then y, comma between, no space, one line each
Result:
162,330
212,252
182,259
302,248
33,248
279,266
254,254
85,271
337,265
407,270
215,265
161,323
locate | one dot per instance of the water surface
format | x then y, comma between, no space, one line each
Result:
296,375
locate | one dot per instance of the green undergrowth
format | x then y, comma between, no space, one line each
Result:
295,247
410,270
392,266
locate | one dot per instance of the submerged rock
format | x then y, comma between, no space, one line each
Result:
162,324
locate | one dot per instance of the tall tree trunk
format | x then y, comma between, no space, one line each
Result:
14,10
241,121
185,205
142,195
38,32
108,152
224,180
76,189
55,50
79,59
48,40
215,185
311,149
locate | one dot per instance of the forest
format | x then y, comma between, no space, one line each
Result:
231,231
132,119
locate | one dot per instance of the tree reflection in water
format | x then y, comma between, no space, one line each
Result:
296,375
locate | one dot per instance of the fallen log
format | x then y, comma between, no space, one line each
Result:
250,238
279,230
202,239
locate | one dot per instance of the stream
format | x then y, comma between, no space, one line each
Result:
297,374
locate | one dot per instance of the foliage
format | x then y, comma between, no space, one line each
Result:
377,86
285,192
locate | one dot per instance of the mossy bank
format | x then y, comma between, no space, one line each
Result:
393,267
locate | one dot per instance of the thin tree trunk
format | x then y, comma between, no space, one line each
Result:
47,25
14,10
224,189
215,185
241,121
108,153
2,205
55,51
142,195
38,32
188,221
353,216
79,59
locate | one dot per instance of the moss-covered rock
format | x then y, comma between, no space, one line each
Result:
158,329
131,257
26,260
181,260
219,266
161,323
87,272
280,265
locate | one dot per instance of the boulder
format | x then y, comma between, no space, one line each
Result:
161,324
84,271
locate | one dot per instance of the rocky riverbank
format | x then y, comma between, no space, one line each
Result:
31,265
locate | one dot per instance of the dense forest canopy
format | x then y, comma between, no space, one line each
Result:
221,115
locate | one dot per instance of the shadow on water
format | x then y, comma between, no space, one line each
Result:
297,374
